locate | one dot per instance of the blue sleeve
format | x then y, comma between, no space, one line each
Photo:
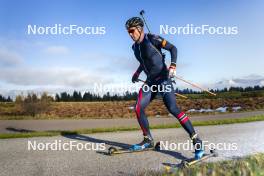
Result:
160,42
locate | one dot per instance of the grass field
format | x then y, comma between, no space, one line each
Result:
122,109
101,130
248,166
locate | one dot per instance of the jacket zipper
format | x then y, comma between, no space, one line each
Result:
142,58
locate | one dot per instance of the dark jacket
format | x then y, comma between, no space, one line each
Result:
150,57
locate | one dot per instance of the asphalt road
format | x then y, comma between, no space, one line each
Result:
16,126
16,159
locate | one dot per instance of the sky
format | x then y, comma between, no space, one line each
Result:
77,62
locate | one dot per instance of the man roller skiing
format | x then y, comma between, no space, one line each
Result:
147,50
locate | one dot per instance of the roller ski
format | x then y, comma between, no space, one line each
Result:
199,154
146,145
189,162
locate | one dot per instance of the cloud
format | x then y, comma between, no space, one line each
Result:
65,77
9,58
56,50
245,81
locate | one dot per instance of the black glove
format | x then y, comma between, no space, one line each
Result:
135,77
148,81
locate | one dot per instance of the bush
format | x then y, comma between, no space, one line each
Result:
32,105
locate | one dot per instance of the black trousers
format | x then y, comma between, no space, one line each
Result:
147,93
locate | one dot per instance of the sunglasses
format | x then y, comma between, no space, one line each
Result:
130,31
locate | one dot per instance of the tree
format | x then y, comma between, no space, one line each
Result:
4,99
57,98
64,96
77,96
32,105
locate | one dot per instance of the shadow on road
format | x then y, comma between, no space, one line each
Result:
95,140
19,130
174,154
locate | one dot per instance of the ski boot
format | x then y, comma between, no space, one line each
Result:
147,142
198,147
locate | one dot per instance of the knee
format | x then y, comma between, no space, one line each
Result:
173,110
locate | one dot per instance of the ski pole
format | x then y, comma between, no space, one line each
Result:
195,85
180,95
142,15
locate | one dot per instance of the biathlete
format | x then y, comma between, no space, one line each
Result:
147,49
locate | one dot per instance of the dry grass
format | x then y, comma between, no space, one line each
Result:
120,109
246,166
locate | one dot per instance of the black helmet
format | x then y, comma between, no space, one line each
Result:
134,22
